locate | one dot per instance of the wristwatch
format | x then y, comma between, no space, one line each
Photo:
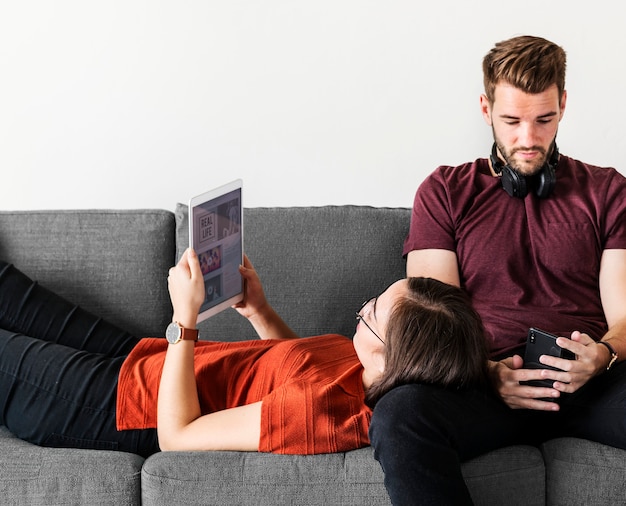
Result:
175,333
614,355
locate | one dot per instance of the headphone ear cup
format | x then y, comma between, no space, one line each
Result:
513,183
545,181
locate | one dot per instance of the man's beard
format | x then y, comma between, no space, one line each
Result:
525,169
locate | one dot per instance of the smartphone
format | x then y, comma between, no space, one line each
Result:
540,343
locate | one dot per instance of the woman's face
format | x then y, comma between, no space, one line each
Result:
369,336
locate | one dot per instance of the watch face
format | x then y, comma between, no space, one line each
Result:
172,333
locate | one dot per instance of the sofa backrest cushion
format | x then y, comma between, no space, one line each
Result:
317,264
113,263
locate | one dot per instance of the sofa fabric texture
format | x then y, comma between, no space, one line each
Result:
317,265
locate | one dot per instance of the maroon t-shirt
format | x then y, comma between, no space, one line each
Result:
525,262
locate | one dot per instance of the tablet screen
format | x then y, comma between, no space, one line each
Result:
216,235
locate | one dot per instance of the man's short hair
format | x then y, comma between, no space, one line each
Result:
531,64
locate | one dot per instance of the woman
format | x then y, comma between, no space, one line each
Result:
69,379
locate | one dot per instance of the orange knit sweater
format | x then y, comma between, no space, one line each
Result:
311,388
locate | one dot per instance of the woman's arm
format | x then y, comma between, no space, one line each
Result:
265,320
180,425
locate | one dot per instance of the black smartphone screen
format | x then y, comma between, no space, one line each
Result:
540,343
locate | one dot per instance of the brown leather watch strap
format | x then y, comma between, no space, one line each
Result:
188,334
614,355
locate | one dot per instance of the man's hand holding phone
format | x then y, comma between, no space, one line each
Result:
529,383
512,377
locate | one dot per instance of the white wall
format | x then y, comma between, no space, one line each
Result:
142,103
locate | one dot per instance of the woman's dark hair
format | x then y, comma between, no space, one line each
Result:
433,336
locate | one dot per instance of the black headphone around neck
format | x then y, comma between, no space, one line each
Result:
517,185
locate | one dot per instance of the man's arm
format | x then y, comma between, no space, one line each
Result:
441,264
613,294
507,374
591,358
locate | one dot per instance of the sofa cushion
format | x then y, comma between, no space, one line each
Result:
31,475
262,479
317,264
580,472
512,476
113,263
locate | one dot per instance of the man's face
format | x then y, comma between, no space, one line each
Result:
524,125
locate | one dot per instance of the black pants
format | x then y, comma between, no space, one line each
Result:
421,433
59,368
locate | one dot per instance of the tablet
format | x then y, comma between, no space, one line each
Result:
216,235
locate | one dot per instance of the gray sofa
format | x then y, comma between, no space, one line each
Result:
317,266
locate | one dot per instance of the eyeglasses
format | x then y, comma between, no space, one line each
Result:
360,317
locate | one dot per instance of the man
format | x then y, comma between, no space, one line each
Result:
537,239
